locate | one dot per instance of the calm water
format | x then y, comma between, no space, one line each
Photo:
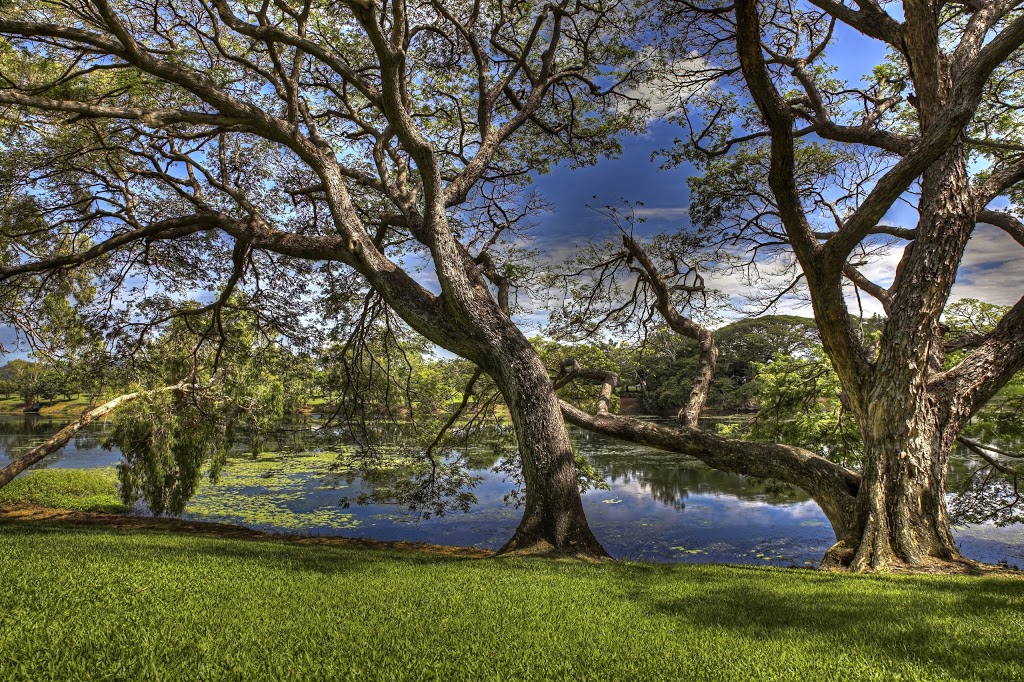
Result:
659,506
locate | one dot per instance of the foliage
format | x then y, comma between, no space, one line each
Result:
619,358
801,405
147,605
987,491
166,441
667,362
26,379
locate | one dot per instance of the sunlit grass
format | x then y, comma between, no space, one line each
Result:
10,405
1011,391
82,604
75,489
58,407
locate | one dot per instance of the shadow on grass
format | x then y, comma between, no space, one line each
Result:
320,555
972,627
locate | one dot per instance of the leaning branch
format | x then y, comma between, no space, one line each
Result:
1007,222
682,325
61,438
833,487
985,452
988,368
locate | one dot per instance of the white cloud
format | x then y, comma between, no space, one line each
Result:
667,87
662,213
992,269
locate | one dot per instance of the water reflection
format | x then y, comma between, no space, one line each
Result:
658,506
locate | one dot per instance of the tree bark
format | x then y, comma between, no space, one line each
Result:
901,508
690,414
553,520
909,426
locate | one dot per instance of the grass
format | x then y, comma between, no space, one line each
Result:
59,407
10,405
1011,391
84,603
76,489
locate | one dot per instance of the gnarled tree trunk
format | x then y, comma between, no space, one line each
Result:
901,509
832,486
908,426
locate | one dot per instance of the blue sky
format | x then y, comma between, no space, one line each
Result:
992,269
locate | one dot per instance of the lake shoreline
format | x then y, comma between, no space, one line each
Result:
35,514
31,513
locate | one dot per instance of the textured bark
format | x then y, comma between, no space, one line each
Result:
690,414
909,426
553,520
901,508
61,438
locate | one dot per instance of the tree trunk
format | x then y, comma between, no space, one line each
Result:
908,429
901,507
553,520
690,414
832,486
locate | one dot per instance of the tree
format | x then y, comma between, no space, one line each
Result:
25,378
61,438
8,380
626,284
670,361
304,150
802,168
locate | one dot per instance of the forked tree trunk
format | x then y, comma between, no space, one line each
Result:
553,520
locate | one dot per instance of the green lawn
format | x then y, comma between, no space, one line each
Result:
1011,391
82,603
10,405
58,407
75,489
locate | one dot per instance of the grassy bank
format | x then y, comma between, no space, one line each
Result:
86,603
77,489
70,409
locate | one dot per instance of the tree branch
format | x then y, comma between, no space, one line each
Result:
833,487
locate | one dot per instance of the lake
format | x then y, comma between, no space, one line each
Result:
658,506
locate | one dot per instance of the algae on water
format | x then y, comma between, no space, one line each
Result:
260,492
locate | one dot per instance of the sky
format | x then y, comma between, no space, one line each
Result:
992,269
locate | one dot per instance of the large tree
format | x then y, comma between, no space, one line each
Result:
794,160
308,150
